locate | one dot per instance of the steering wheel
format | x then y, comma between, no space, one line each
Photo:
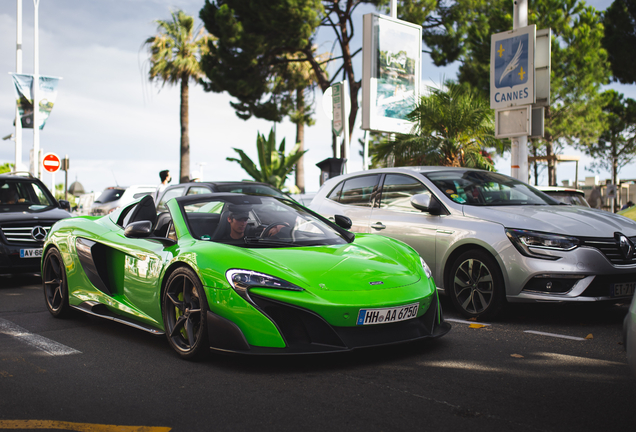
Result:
269,227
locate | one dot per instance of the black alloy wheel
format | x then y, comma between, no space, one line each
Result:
476,285
184,314
54,284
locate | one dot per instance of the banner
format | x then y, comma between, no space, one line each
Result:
47,93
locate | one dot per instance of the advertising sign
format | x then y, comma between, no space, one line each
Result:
512,68
23,85
391,57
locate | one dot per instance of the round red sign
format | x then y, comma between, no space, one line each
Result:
51,162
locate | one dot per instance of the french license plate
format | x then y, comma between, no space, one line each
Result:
625,289
30,253
387,315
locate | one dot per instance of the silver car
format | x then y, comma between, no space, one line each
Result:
490,239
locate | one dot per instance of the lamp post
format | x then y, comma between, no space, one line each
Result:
18,69
36,91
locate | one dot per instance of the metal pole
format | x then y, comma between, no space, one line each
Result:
17,165
36,89
346,103
394,9
365,158
519,150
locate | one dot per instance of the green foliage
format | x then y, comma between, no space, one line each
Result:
257,44
620,39
617,143
275,165
6,167
454,126
176,50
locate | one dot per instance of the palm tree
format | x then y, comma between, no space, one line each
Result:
275,166
175,54
453,126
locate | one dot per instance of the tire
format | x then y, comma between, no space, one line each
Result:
476,286
185,314
54,284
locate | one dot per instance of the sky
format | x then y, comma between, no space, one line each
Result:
117,128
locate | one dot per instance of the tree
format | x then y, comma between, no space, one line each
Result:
454,126
616,147
579,61
175,54
620,38
275,165
5,168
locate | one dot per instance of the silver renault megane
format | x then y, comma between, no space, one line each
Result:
488,238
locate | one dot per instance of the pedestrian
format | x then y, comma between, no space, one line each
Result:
165,179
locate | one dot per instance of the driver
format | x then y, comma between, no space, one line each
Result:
237,218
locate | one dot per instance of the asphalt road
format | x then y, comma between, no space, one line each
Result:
85,373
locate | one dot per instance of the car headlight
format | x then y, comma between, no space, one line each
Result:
243,280
427,269
524,240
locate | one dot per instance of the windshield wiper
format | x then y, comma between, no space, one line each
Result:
267,241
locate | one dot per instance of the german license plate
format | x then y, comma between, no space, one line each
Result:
624,289
30,253
387,315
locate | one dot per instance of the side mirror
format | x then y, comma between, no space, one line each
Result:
421,201
140,229
65,205
343,221
427,203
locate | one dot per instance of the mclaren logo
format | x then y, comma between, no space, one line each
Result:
38,233
625,246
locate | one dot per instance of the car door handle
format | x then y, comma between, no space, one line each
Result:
378,226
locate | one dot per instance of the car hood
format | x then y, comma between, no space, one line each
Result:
24,215
558,219
371,263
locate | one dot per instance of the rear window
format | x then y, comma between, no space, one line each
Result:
110,195
250,189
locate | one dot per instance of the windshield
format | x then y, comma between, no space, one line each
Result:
573,198
256,221
110,194
20,195
485,188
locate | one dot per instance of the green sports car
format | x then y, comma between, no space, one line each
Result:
241,273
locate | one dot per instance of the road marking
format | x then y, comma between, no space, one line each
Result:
40,342
465,322
554,335
84,427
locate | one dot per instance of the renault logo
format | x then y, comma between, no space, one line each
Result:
38,233
625,246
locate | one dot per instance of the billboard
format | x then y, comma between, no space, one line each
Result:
392,60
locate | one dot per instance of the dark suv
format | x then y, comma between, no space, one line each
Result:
27,212
244,187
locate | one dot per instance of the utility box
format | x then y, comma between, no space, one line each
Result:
330,167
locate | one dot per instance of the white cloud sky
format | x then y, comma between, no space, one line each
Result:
117,127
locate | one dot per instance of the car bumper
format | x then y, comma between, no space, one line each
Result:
11,262
582,275
305,332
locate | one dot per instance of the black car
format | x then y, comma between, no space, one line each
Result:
245,187
28,210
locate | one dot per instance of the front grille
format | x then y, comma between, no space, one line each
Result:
610,248
14,233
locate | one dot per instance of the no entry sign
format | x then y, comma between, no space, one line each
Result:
51,162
